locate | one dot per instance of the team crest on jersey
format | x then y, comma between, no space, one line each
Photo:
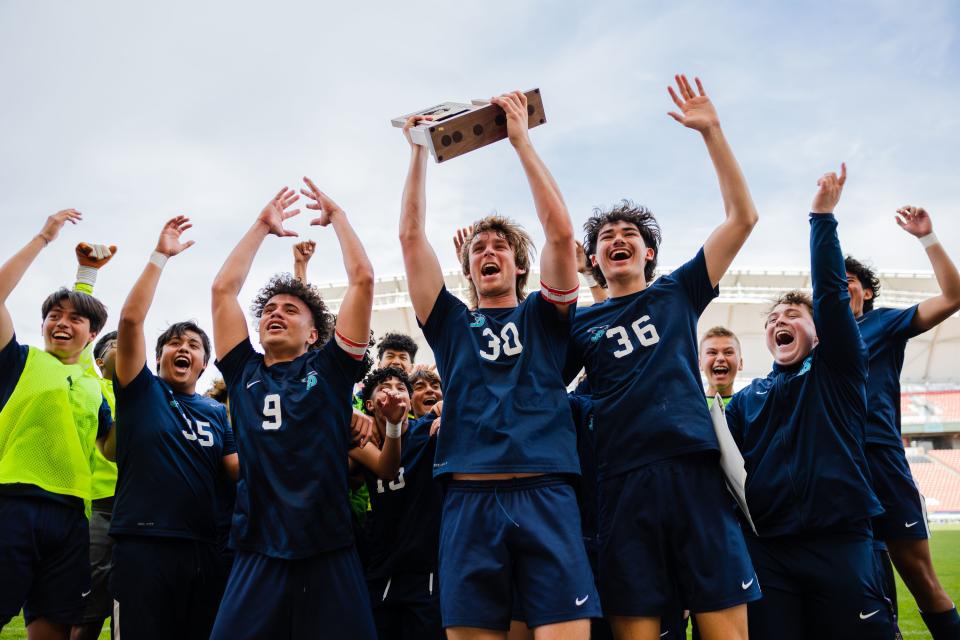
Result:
310,380
597,333
806,366
478,320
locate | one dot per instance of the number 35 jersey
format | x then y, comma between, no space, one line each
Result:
292,425
505,406
640,352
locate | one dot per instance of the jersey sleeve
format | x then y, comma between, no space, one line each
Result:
839,336
139,383
232,364
104,418
436,323
693,278
899,323
344,363
13,360
229,442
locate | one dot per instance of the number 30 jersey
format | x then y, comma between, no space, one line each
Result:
640,352
292,425
505,407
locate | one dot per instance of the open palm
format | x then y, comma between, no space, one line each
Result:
696,110
278,211
321,202
914,220
169,241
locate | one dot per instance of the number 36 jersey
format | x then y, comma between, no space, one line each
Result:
505,406
640,352
292,423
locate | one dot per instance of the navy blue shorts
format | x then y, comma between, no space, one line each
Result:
44,560
498,536
670,539
406,606
818,586
905,512
295,599
166,587
99,604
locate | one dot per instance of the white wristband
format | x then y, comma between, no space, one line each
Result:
587,280
929,240
159,259
86,275
393,430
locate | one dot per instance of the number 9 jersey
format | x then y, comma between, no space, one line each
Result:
505,406
640,351
291,421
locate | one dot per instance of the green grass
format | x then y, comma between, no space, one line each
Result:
945,546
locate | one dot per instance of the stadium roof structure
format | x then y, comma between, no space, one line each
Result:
932,360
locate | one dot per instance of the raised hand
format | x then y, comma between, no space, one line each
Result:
94,255
696,111
393,406
413,121
514,104
583,265
830,186
303,251
321,202
51,228
169,241
460,237
276,212
914,220
435,427
361,425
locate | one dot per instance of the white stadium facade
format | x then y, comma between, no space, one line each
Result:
930,402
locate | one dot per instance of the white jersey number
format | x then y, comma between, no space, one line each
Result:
203,434
646,334
509,338
271,409
395,485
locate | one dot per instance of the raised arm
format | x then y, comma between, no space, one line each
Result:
353,319
131,344
698,113
424,275
932,311
837,329
385,462
558,262
13,269
302,252
229,323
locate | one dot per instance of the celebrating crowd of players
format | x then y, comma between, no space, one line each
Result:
479,499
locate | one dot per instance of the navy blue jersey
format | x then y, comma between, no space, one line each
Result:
405,511
505,408
170,449
581,405
292,425
885,332
801,429
640,351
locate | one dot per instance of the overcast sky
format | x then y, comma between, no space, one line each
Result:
134,112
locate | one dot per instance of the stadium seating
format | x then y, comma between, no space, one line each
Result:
937,473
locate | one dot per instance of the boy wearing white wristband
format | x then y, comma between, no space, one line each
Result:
405,514
886,331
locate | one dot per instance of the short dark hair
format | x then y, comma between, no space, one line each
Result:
423,373
795,297
178,330
286,283
397,342
518,239
379,376
867,277
102,343
625,211
86,305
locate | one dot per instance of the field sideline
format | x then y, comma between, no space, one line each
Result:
945,544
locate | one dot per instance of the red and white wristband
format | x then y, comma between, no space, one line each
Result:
559,296
354,349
